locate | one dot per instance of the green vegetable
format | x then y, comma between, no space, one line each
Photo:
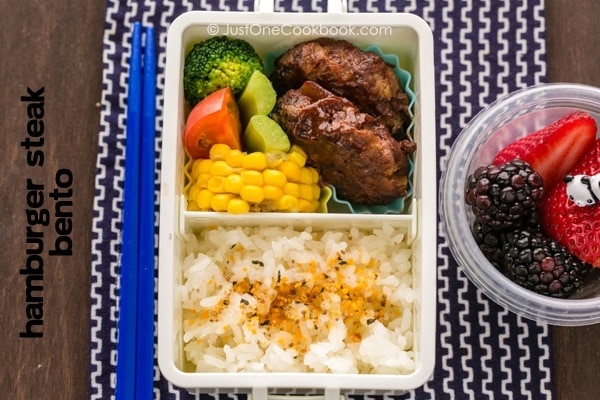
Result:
264,135
217,63
257,98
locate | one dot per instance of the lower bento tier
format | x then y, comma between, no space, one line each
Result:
282,299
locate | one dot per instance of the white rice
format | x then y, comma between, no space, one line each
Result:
282,300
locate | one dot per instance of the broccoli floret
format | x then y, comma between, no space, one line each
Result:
217,63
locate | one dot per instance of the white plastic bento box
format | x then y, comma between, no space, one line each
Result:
405,35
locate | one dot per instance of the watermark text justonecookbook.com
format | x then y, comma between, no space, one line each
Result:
297,30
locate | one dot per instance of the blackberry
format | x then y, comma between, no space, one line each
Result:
541,264
505,196
489,241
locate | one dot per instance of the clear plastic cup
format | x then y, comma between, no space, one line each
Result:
499,124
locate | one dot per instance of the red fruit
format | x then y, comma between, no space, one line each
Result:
555,149
577,228
214,119
522,146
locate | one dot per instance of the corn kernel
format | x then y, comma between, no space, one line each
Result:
195,168
220,168
256,161
238,206
220,201
234,158
204,198
306,176
275,158
306,192
218,151
314,205
274,177
291,170
252,193
316,192
297,155
292,189
272,192
215,184
233,183
193,206
315,174
286,203
252,177
304,205
204,166
194,190
202,179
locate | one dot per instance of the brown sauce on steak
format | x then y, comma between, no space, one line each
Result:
362,77
352,150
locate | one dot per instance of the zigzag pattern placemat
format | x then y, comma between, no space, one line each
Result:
482,50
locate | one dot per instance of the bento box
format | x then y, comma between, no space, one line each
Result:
191,241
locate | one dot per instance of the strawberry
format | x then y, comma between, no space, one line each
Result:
522,146
575,227
554,149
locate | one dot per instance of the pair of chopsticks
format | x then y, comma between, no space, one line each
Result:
135,335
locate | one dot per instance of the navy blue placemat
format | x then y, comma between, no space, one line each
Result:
482,50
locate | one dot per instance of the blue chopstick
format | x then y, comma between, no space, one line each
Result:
144,379
130,228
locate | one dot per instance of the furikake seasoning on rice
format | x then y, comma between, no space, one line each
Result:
279,299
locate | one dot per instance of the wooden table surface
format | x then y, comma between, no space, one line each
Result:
57,46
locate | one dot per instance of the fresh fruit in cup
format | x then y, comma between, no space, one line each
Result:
555,149
506,197
577,227
215,119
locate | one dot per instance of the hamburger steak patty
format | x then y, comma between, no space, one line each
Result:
362,77
351,149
